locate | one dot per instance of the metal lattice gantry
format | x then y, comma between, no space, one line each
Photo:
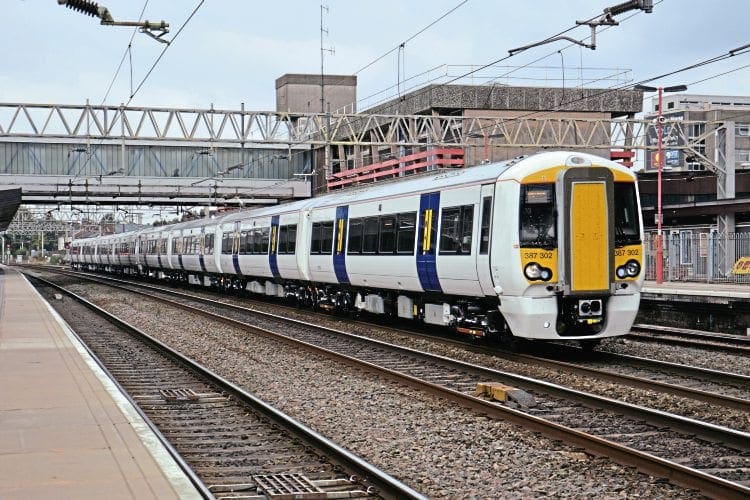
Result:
222,127
346,139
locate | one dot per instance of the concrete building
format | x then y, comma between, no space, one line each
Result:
689,108
705,185
298,93
510,104
448,126
693,193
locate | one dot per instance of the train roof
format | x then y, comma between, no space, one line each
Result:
438,180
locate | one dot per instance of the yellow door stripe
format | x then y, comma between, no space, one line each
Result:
340,240
589,237
427,236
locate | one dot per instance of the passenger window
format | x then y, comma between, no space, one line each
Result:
287,239
370,236
250,241
315,238
449,230
246,242
387,240
322,238
407,224
355,236
264,240
291,238
456,225
484,232
326,234
467,228
281,245
226,243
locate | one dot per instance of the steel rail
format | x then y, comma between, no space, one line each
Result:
385,484
696,334
645,462
714,343
630,380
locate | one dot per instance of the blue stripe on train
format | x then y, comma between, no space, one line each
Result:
272,249
426,263
236,264
202,262
339,257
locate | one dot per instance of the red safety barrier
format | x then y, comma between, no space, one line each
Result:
438,157
624,157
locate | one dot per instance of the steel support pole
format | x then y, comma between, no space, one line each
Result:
659,163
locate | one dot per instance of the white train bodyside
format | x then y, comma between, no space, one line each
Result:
543,247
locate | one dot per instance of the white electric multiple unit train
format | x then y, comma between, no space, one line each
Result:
544,247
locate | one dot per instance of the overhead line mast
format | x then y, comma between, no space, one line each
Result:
94,10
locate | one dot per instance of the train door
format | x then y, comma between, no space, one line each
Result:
485,239
236,248
216,252
589,249
140,253
429,208
304,228
339,244
202,248
272,257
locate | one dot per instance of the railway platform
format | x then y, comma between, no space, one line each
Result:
66,431
698,291
714,307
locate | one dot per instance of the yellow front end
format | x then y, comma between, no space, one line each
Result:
583,279
589,238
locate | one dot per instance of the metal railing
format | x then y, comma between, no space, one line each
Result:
692,255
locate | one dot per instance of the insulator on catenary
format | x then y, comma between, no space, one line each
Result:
84,6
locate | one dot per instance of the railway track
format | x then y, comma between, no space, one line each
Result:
733,344
713,459
712,386
716,387
231,443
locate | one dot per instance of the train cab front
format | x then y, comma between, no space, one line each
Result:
580,254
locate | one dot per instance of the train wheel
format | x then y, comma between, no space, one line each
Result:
495,329
507,339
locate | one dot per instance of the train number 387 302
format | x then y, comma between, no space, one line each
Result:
537,255
631,252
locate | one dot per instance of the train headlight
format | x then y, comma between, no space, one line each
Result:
633,268
533,272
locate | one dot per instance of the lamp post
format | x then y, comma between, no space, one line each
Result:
659,160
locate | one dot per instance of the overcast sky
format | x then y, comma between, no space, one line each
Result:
232,51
